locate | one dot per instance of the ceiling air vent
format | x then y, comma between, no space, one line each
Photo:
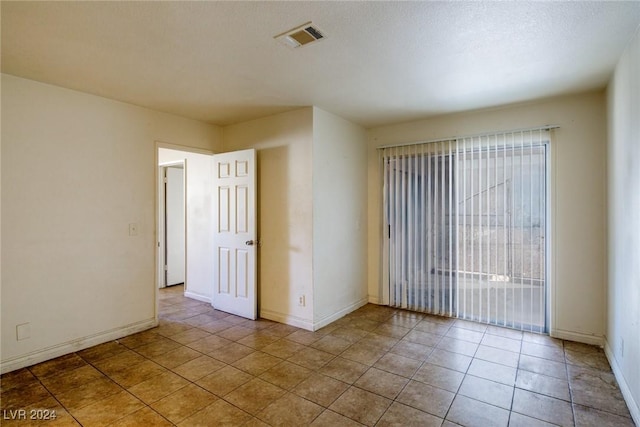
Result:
301,36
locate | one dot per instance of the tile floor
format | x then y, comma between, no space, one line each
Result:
377,366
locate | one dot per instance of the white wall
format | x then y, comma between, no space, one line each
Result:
339,217
623,312
199,205
76,170
285,258
578,157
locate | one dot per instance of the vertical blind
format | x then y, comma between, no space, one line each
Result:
465,227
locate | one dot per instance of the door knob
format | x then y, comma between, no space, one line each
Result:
249,242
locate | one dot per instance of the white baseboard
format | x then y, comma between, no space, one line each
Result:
72,346
340,313
307,324
198,297
287,319
634,407
373,299
578,337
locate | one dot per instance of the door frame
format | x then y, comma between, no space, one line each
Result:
162,221
158,267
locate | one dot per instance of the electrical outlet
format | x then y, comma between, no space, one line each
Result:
133,229
23,331
301,300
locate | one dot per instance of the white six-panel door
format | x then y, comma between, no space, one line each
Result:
235,238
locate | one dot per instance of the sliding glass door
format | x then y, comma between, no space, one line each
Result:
466,225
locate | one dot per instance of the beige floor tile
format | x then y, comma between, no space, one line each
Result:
157,387
440,377
183,403
304,337
331,344
321,389
456,345
361,406
543,366
591,417
119,362
44,412
219,413
71,379
501,343
465,334
542,384
231,352
420,361
108,410
286,375
382,383
88,393
397,364
365,354
143,417
254,396
493,371
381,341
257,362
21,396
102,351
344,370
595,360
169,328
290,410
197,368
190,335
432,328
331,419
58,365
406,416
427,398
350,333
224,380
283,348
496,355
235,333
546,408
311,358
176,357
17,378
506,333
424,338
412,350
519,420
472,413
543,351
446,359
394,331
161,346
486,391
138,373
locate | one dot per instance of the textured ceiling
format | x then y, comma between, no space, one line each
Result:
381,62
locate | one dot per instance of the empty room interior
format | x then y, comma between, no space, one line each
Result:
320,213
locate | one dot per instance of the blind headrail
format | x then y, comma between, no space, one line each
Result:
478,135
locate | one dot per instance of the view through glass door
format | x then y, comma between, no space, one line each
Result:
466,225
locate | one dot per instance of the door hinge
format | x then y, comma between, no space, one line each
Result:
164,180
166,267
